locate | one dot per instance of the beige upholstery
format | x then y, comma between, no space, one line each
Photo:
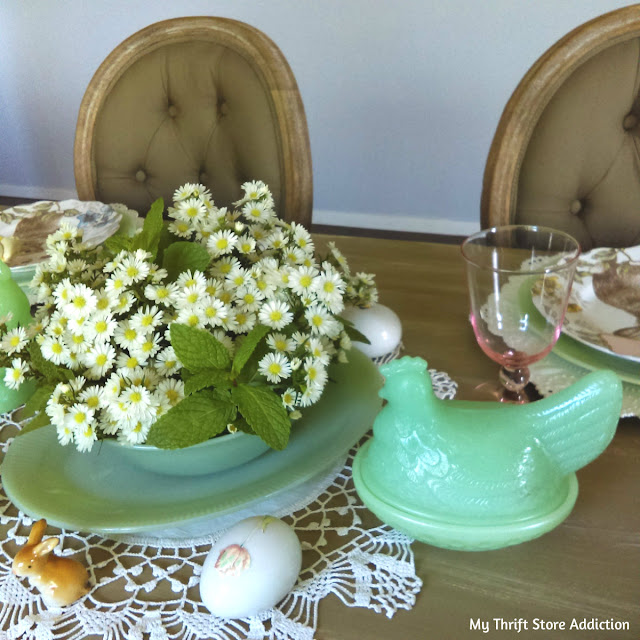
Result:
199,99
566,151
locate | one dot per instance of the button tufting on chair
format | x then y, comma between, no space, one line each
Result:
630,122
173,110
141,176
203,177
223,108
575,207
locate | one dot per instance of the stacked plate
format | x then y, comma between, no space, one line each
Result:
24,230
601,329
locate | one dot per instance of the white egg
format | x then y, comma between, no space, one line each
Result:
251,568
379,324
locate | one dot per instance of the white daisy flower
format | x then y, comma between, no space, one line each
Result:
192,316
82,301
146,319
257,211
309,396
190,210
215,311
223,266
190,279
322,322
123,302
329,288
15,374
289,398
138,403
126,335
132,270
99,359
92,397
100,327
14,340
315,373
241,321
222,242
302,238
170,391
238,276
275,314
275,367
249,297
126,363
167,362
162,293
318,350
147,348
280,342
302,280
246,244
181,228
54,349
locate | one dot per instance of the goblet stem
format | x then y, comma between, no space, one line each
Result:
514,381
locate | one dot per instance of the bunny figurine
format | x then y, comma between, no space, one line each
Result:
61,581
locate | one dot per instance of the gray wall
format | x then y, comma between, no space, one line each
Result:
402,96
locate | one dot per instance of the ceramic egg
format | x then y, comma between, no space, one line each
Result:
379,324
251,568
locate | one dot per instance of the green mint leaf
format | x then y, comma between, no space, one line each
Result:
118,242
39,421
197,349
206,378
248,346
352,332
149,238
184,256
37,402
264,412
166,239
194,419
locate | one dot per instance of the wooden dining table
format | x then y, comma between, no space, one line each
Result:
587,569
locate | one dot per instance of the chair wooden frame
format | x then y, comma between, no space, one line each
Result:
533,93
271,67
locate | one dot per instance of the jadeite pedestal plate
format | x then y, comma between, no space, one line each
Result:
480,475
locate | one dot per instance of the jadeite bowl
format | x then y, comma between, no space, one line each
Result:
212,456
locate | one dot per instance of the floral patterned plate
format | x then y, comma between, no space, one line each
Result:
604,306
24,229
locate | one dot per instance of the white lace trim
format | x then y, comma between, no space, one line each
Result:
371,568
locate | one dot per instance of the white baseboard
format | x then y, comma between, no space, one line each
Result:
440,226
37,193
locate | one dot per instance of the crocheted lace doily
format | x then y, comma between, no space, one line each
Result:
149,588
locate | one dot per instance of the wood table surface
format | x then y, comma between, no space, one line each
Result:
587,568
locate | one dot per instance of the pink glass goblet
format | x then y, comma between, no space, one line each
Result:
519,279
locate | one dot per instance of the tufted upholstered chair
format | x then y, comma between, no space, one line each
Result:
197,99
566,152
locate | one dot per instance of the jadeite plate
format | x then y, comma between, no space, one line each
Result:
604,306
24,229
577,353
99,492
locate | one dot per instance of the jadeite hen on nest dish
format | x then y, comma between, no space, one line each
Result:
479,475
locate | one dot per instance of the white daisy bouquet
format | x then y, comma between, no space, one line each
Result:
214,321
